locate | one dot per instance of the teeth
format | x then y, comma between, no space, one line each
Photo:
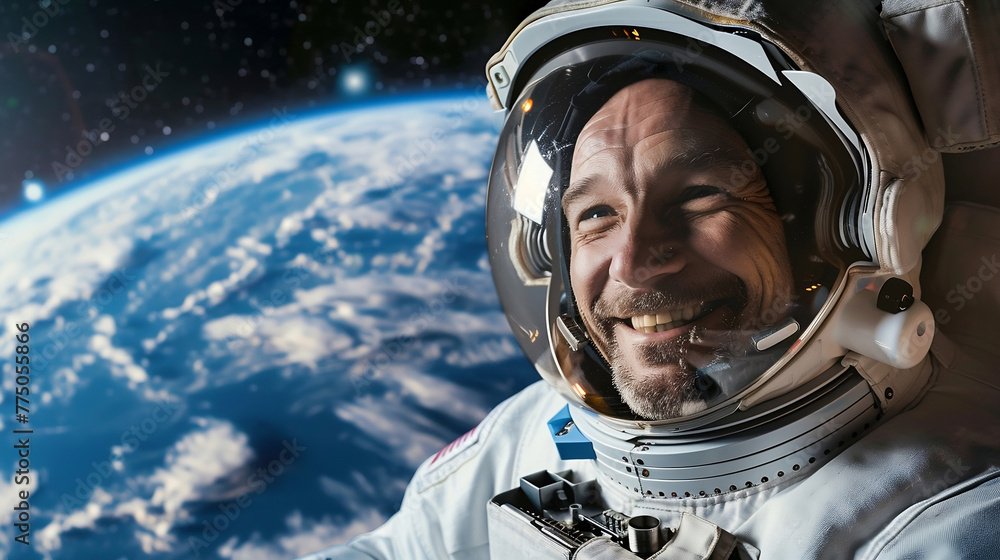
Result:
663,319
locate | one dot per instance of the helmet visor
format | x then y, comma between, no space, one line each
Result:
686,234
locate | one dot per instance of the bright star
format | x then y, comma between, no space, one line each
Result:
33,191
354,80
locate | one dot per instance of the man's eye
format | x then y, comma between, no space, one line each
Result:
698,191
596,212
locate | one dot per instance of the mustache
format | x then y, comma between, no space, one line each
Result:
631,303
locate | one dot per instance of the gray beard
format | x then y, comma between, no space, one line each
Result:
660,397
663,397
657,397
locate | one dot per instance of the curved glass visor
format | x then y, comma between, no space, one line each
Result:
685,234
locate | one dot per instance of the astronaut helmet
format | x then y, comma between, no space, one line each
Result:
685,217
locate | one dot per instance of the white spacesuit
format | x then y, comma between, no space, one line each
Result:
707,223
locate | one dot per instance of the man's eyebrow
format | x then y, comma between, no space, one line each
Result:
577,189
697,157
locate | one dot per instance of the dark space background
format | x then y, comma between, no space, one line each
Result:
67,67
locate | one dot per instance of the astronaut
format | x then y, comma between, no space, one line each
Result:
718,231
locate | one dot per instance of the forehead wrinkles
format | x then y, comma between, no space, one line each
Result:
695,145
654,144
628,118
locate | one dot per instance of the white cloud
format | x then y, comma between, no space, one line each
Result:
197,462
303,537
433,393
63,384
122,363
275,337
303,341
193,467
105,324
247,269
410,435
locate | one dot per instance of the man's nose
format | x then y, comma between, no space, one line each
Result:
645,255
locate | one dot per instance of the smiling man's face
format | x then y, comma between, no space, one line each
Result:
676,251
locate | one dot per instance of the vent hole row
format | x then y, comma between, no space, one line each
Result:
733,488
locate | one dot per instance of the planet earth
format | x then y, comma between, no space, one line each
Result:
244,348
